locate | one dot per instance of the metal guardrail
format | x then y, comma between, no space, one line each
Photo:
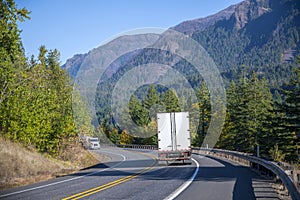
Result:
286,180
129,146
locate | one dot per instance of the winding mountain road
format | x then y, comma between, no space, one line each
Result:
133,174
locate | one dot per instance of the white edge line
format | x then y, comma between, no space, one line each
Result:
185,184
66,180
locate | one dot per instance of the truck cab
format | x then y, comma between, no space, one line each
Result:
90,142
94,143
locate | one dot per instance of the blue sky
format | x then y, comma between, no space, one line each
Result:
77,26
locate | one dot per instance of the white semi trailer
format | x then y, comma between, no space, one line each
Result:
174,141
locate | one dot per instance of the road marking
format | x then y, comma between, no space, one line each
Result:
66,180
186,184
105,186
111,184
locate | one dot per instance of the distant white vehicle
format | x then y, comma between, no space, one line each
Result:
174,141
90,142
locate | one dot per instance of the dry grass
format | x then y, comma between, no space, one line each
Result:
20,166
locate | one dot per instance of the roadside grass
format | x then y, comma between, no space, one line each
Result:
21,166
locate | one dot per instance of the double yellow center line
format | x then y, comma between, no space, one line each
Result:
108,185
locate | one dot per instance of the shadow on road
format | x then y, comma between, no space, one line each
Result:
213,174
243,177
248,184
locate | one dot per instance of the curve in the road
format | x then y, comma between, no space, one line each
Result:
113,183
207,178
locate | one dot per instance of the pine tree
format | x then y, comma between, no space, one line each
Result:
10,41
204,114
227,138
114,136
249,116
243,140
82,118
151,98
292,101
36,95
12,59
289,122
170,101
265,136
138,113
151,102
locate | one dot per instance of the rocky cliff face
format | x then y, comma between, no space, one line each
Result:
249,10
190,26
241,14
73,64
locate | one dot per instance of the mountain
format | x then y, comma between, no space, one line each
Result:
241,14
261,36
190,26
73,64
82,62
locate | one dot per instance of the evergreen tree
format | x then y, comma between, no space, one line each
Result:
290,117
170,101
264,113
204,109
151,102
114,136
229,132
35,96
12,66
292,101
12,60
151,98
10,41
81,115
244,140
249,116
138,113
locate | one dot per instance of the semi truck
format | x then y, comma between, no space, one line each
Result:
174,141
90,142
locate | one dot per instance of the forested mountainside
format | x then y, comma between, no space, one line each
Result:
254,45
261,35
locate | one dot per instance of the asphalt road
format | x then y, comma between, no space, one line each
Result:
137,175
222,179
